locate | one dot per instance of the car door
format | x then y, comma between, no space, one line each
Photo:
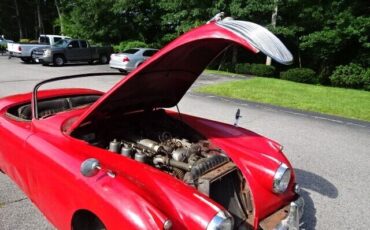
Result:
13,136
85,51
73,50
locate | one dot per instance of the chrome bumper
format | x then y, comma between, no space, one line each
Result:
291,222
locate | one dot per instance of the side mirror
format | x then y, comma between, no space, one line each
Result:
70,46
90,167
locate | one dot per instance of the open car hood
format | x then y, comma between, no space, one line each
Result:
164,79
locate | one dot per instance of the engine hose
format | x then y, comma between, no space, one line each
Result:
166,161
204,166
179,164
178,173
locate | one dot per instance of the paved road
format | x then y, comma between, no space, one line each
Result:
331,156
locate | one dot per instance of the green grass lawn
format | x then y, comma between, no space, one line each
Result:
335,101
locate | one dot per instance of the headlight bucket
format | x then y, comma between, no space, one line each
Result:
47,52
281,179
223,220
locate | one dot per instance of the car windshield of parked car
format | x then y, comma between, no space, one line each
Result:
61,43
130,51
149,53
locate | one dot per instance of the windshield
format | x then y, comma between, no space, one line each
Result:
61,43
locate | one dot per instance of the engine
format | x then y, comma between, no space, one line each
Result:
180,157
170,145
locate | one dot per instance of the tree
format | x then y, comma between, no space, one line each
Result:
19,20
273,24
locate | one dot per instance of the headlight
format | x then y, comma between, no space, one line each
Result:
281,179
47,52
222,221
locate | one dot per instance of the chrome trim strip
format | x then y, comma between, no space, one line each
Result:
259,37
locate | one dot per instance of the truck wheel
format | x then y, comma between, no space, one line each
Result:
26,60
58,60
103,59
32,60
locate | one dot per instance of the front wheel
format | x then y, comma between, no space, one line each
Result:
58,60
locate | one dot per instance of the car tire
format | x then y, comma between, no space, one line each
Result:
58,60
32,60
26,60
123,71
103,59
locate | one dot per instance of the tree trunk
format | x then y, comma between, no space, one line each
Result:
234,57
273,24
60,17
19,22
39,18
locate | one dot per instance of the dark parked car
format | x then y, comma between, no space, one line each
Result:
72,50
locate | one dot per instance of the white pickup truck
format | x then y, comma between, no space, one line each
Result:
24,50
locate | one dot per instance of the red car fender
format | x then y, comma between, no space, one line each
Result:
115,201
256,156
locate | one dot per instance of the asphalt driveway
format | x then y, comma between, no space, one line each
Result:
331,156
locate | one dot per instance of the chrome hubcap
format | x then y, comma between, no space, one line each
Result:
59,61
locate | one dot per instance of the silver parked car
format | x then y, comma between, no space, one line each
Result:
130,59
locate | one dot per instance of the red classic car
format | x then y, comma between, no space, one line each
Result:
121,160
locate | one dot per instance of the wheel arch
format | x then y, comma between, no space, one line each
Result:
58,54
139,63
84,219
104,55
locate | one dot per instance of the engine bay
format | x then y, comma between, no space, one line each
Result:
161,141
167,143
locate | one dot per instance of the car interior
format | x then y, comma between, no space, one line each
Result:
52,106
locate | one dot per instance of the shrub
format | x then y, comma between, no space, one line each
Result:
243,68
262,70
128,45
349,76
2,48
24,40
302,75
228,67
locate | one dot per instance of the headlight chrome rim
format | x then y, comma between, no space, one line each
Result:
221,220
281,179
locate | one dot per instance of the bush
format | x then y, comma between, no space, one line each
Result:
125,45
24,40
228,67
262,70
243,68
349,76
302,75
2,48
